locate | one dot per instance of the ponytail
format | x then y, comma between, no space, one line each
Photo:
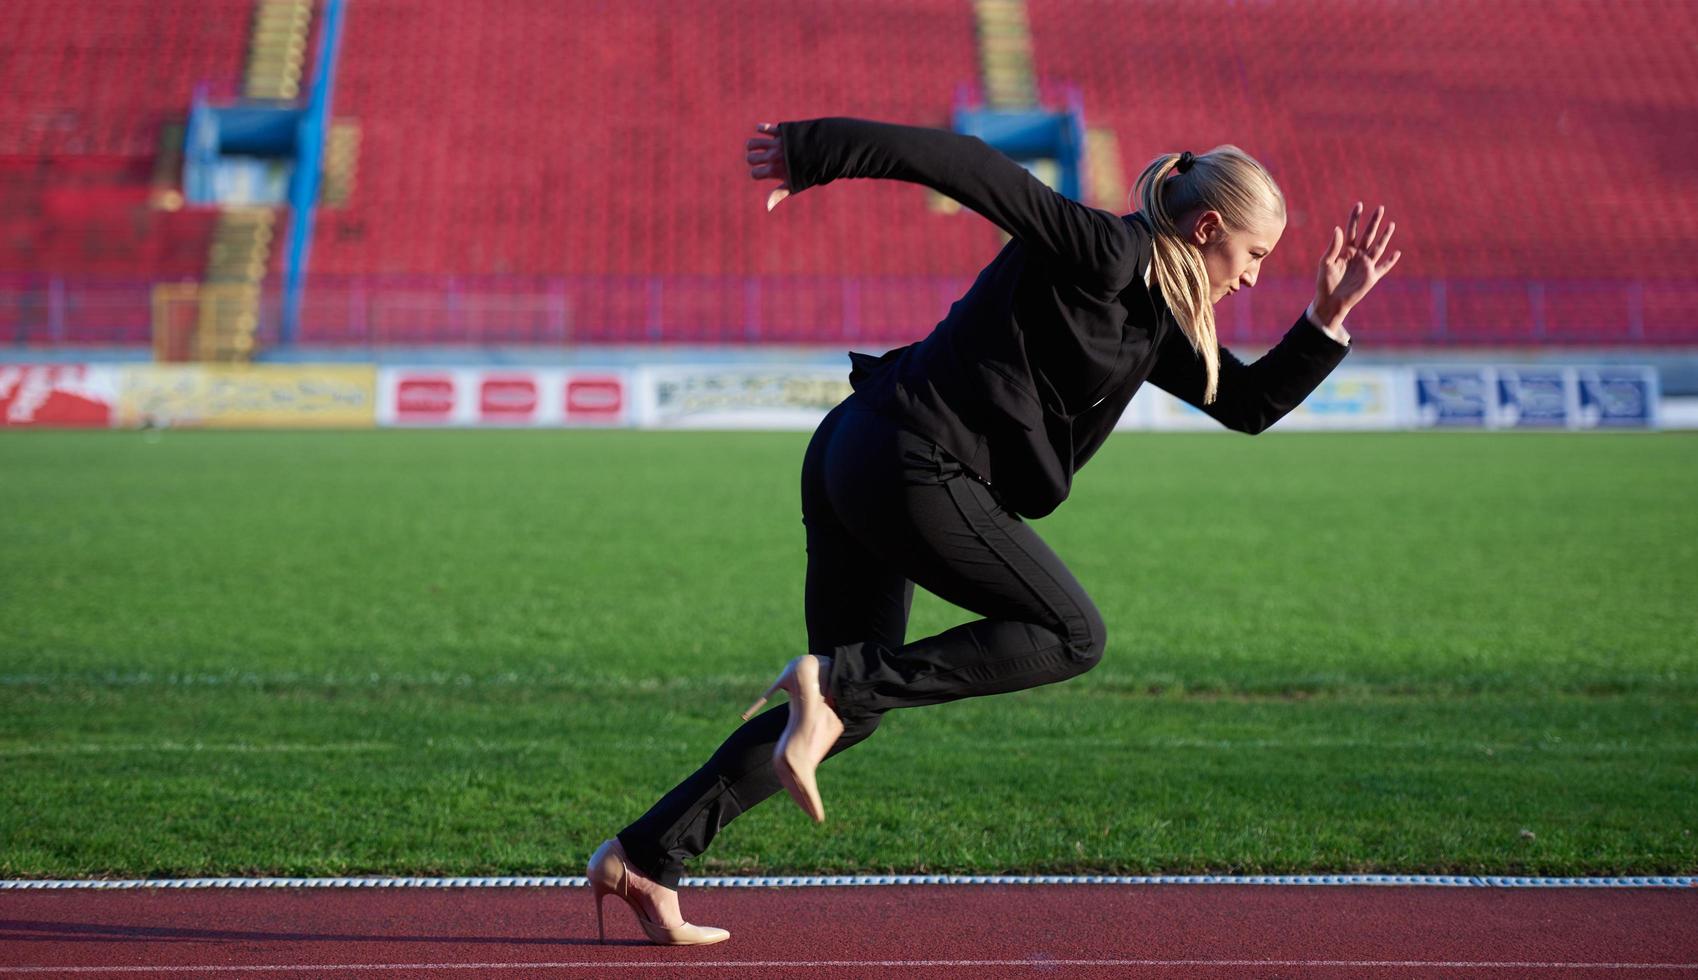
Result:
1225,179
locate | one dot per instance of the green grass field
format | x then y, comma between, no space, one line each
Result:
484,652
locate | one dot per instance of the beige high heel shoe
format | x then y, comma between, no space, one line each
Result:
609,874
809,733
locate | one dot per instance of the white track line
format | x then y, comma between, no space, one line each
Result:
838,881
852,964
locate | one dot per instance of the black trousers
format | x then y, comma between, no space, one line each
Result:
885,509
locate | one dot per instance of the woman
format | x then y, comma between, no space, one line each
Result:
923,473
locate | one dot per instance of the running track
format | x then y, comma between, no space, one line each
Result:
1231,931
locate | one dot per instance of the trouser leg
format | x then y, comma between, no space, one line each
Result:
852,596
913,505
885,508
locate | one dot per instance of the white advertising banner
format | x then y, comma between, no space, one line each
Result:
58,395
1350,398
796,396
1356,398
513,397
737,396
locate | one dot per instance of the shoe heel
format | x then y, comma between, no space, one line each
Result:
608,874
762,699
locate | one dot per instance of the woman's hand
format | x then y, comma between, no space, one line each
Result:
1352,265
766,160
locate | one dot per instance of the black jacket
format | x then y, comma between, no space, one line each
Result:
1028,373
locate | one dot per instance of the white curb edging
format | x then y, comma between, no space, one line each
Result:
837,881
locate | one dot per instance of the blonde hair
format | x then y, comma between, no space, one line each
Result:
1225,179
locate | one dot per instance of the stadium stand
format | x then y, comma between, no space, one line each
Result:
573,172
1575,123
608,146
90,90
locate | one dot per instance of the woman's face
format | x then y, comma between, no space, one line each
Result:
1232,256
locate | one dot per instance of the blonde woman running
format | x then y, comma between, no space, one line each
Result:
924,473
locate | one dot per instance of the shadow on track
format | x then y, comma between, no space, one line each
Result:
16,930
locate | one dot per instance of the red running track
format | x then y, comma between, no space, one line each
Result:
1231,932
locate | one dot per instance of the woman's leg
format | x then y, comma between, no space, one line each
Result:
884,509
915,507
852,597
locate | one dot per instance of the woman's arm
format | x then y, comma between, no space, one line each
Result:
817,151
1250,397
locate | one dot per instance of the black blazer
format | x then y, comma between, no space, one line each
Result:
1029,371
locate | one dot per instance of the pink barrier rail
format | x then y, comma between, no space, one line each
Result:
870,311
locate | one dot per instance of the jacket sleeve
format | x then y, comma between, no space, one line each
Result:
1095,243
1250,397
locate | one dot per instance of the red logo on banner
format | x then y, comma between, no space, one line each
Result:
52,395
508,398
599,398
430,397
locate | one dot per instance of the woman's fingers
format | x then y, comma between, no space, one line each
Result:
1380,246
1350,228
766,161
1373,229
764,154
1335,245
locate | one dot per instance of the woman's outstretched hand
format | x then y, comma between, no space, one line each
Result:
766,160
1353,264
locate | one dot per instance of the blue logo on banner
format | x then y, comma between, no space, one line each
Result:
1532,398
1451,397
1619,398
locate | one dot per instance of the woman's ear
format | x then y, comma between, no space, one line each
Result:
1207,229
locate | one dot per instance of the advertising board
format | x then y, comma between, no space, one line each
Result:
755,396
246,396
1350,398
732,396
57,395
1453,397
1533,398
1615,398
512,397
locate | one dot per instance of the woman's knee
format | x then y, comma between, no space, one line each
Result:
1087,634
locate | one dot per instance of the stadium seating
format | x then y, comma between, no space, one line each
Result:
609,139
542,171
1514,141
88,88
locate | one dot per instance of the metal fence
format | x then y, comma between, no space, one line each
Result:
829,310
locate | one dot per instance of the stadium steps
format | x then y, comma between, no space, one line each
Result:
1105,176
277,49
229,310
1005,71
341,160
1005,54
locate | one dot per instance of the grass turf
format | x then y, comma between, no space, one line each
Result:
483,652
